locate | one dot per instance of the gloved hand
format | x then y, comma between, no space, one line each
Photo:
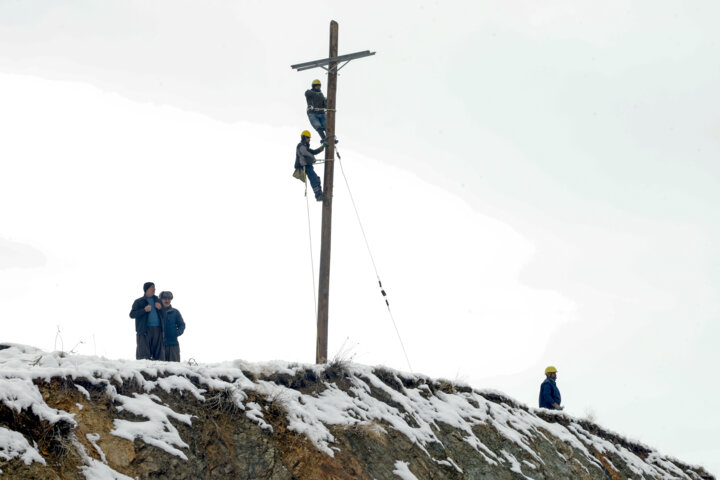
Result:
324,144
310,109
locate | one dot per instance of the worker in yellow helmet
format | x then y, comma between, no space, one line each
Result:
304,160
316,108
549,393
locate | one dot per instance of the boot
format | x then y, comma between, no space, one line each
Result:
318,194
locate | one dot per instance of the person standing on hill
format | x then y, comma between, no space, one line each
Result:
148,328
316,108
173,326
304,160
549,393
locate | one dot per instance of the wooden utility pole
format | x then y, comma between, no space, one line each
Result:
331,65
326,234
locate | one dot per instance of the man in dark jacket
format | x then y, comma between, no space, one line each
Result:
549,393
173,326
148,327
304,160
316,107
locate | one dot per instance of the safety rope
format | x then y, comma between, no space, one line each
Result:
372,259
312,260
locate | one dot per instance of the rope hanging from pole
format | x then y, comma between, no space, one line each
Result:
372,259
312,260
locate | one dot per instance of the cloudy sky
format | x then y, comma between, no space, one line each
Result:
538,182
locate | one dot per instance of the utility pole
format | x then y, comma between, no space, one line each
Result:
326,235
331,66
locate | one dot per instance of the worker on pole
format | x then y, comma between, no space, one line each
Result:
316,108
304,160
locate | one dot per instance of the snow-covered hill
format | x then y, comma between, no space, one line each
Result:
66,416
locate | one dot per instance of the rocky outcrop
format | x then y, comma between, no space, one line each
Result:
72,417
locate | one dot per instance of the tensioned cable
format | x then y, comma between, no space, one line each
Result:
372,259
312,260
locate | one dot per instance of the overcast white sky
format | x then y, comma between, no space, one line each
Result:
538,180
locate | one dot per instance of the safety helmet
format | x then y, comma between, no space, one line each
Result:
305,133
166,295
316,82
550,370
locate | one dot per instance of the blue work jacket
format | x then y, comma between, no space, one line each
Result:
549,394
173,324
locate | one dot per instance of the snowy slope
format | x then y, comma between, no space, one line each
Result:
93,418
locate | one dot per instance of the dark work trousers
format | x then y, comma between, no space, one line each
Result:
150,346
317,120
142,351
313,178
172,353
156,342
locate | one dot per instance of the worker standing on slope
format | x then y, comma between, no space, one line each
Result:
304,160
549,393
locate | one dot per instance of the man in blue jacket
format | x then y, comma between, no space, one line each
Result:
549,393
148,328
173,325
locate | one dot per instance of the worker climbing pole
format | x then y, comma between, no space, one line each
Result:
304,161
331,65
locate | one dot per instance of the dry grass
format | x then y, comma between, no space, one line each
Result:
223,402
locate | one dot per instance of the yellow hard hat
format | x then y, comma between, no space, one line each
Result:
550,370
305,133
316,82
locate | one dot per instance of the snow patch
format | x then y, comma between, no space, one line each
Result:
254,413
182,384
13,444
20,394
158,430
514,464
93,469
93,439
403,471
83,390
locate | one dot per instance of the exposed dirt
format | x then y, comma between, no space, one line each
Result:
223,443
